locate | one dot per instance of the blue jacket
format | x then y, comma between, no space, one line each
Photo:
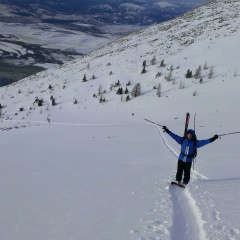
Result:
187,147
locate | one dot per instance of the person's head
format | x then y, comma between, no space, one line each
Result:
190,133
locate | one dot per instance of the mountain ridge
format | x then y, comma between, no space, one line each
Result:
51,26
177,41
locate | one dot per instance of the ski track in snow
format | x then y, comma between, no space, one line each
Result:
62,123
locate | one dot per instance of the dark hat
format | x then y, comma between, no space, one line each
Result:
191,131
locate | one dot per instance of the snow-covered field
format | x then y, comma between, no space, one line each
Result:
57,38
94,171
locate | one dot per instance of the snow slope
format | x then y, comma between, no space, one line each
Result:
93,171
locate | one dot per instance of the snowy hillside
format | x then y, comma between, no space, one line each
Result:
85,169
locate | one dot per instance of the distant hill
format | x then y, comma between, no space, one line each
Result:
37,34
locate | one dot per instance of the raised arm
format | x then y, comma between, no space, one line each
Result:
201,143
177,138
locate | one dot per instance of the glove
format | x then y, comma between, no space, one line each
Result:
165,129
214,138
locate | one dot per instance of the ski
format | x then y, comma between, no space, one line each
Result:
177,184
186,123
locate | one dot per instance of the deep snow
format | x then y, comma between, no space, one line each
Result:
97,172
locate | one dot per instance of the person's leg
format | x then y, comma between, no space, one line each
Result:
187,172
179,173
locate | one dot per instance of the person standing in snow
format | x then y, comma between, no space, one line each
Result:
189,145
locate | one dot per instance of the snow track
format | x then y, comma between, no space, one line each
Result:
64,123
187,221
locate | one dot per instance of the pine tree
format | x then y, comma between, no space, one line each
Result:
159,90
205,66
100,89
162,64
154,60
119,91
84,78
53,101
144,70
136,90
198,72
144,63
101,99
157,75
210,73
127,98
169,76
188,74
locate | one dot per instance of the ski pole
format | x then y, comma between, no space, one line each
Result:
194,160
194,121
228,134
133,114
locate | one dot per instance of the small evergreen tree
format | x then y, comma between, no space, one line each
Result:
158,75
154,60
169,76
126,91
117,84
100,89
144,70
101,99
120,91
84,78
136,90
159,90
188,74
127,98
205,66
40,102
144,63
198,72
53,101
162,64
210,73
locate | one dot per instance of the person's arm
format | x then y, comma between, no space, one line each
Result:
177,138
201,143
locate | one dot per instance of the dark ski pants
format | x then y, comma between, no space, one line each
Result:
183,167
